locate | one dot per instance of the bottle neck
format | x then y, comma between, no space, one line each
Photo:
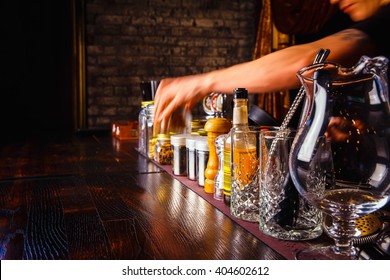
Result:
240,112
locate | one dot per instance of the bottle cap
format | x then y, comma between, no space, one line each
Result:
190,142
202,144
179,139
240,93
163,136
146,103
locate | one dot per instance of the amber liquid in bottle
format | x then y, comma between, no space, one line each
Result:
227,177
240,120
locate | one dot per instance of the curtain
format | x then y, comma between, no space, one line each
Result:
269,39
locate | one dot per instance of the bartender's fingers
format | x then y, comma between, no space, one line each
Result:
158,101
165,100
168,109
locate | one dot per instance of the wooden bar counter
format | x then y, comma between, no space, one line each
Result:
91,196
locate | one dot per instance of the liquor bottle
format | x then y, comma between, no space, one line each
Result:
240,120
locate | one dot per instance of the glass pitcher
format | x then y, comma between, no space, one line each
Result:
340,158
351,107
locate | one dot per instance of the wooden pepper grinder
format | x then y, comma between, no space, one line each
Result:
214,127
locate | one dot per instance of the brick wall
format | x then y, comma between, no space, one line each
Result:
128,41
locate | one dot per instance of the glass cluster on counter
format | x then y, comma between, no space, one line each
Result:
187,153
279,177
179,143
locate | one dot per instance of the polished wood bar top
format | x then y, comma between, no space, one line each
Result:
91,196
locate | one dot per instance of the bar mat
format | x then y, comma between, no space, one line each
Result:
285,248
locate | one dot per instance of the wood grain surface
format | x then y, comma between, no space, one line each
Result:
91,196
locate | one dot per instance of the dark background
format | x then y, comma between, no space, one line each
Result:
35,67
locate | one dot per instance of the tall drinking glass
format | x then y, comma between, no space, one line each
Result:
244,202
284,213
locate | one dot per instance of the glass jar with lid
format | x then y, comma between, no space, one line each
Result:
191,157
202,157
179,163
163,149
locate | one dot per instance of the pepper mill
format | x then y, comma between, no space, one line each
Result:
214,127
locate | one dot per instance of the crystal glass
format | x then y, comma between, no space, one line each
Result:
340,157
244,203
218,182
284,213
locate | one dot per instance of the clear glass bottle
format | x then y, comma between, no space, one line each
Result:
150,139
218,184
240,120
143,127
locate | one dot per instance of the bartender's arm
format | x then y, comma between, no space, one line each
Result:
273,72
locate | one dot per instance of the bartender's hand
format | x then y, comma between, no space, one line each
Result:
178,93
